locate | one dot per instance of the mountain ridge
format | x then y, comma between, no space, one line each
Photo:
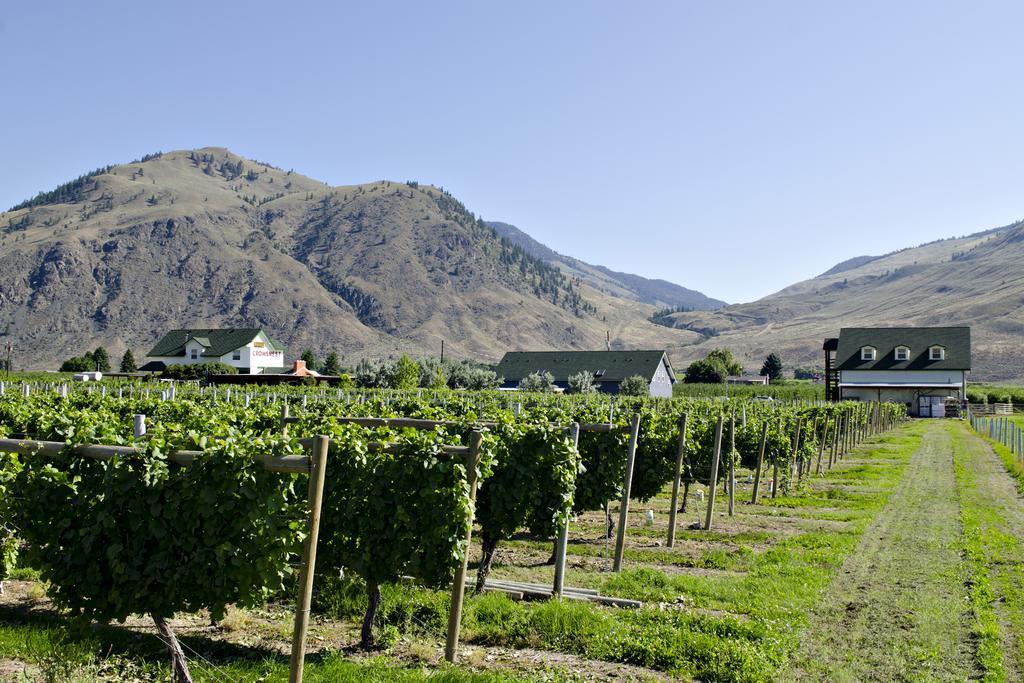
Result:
207,238
657,292
970,280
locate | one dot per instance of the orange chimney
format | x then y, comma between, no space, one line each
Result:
300,368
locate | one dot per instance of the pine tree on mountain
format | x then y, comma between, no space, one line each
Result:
128,362
772,367
101,359
331,366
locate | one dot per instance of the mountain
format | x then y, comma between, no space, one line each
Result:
660,293
975,280
205,238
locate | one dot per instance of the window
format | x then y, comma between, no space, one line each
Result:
867,353
194,354
599,373
258,345
902,353
236,354
936,353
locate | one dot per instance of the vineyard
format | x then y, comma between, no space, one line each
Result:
678,538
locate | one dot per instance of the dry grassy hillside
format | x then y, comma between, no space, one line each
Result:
206,238
975,280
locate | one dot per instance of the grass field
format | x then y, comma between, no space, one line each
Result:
901,563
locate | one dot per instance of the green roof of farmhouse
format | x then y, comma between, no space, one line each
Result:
956,341
607,366
215,342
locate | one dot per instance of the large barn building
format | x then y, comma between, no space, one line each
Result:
921,367
609,368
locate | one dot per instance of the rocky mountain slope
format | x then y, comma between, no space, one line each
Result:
206,238
660,293
975,280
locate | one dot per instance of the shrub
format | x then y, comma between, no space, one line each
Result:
200,371
582,383
407,374
538,382
634,386
78,364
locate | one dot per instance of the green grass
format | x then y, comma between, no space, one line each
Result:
1013,463
57,652
981,543
682,644
997,549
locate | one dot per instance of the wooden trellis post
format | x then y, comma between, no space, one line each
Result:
451,648
760,461
563,530
713,482
307,571
796,450
680,457
732,463
775,464
315,465
821,445
620,540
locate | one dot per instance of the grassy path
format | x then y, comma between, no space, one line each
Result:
899,609
993,518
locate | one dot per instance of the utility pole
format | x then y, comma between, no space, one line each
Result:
442,350
607,340
10,348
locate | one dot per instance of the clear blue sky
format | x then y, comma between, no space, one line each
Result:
732,147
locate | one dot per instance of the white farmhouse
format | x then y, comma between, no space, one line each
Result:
248,349
921,367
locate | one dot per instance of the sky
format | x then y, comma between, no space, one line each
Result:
730,147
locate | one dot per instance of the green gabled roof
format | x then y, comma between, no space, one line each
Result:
956,341
216,342
617,365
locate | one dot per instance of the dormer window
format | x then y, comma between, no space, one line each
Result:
599,373
937,353
902,353
867,353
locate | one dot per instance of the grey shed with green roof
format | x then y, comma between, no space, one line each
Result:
608,368
925,368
